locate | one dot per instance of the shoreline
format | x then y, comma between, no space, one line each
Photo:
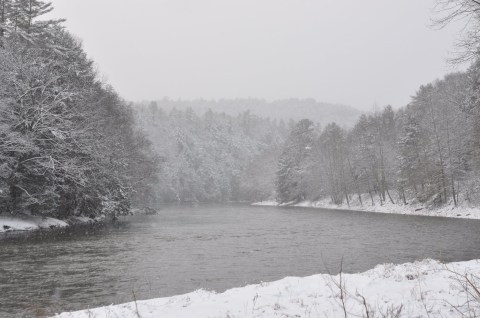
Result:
448,211
420,289
27,224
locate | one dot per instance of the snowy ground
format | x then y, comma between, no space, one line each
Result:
10,223
462,211
421,289
28,223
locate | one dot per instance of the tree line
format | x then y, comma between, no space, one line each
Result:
428,151
68,143
281,109
212,157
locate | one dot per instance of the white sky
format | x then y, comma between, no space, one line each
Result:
352,52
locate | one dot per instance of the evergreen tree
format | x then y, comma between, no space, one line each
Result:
4,10
291,166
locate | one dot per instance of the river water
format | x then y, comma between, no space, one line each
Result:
215,247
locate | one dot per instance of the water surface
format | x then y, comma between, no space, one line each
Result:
214,247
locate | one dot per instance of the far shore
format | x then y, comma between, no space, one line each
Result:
450,211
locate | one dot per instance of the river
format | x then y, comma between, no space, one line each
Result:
214,247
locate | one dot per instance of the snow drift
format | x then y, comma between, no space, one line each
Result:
421,289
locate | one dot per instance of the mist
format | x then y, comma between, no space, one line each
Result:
347,52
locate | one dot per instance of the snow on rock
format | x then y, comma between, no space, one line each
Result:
28,223
462,211
421,289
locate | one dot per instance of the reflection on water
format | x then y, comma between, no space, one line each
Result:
213,247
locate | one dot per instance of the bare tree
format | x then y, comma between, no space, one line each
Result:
467,11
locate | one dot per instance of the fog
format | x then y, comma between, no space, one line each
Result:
358,53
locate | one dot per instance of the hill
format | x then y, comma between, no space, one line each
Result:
286,109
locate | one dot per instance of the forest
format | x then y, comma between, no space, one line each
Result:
427,151
70,145
280,109
213,157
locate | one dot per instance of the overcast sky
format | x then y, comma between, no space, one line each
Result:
351,52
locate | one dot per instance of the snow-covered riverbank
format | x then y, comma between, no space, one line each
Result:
421,289
28,223
461,211
24,223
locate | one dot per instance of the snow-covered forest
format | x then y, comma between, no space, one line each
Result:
213,157
282,109
427,151
68,144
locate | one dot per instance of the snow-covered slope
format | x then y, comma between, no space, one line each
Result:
462,211
421,289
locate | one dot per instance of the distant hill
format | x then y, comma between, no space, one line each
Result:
286,109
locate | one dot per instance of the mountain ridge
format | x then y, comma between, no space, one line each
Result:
282,109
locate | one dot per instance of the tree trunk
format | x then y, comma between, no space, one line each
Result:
2,21
370,192
356,181
453,192
390,197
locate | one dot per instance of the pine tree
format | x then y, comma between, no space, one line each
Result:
29,11
4,6
21,18
291,167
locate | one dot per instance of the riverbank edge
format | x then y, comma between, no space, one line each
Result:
419,289
448,211
24,223
19,224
